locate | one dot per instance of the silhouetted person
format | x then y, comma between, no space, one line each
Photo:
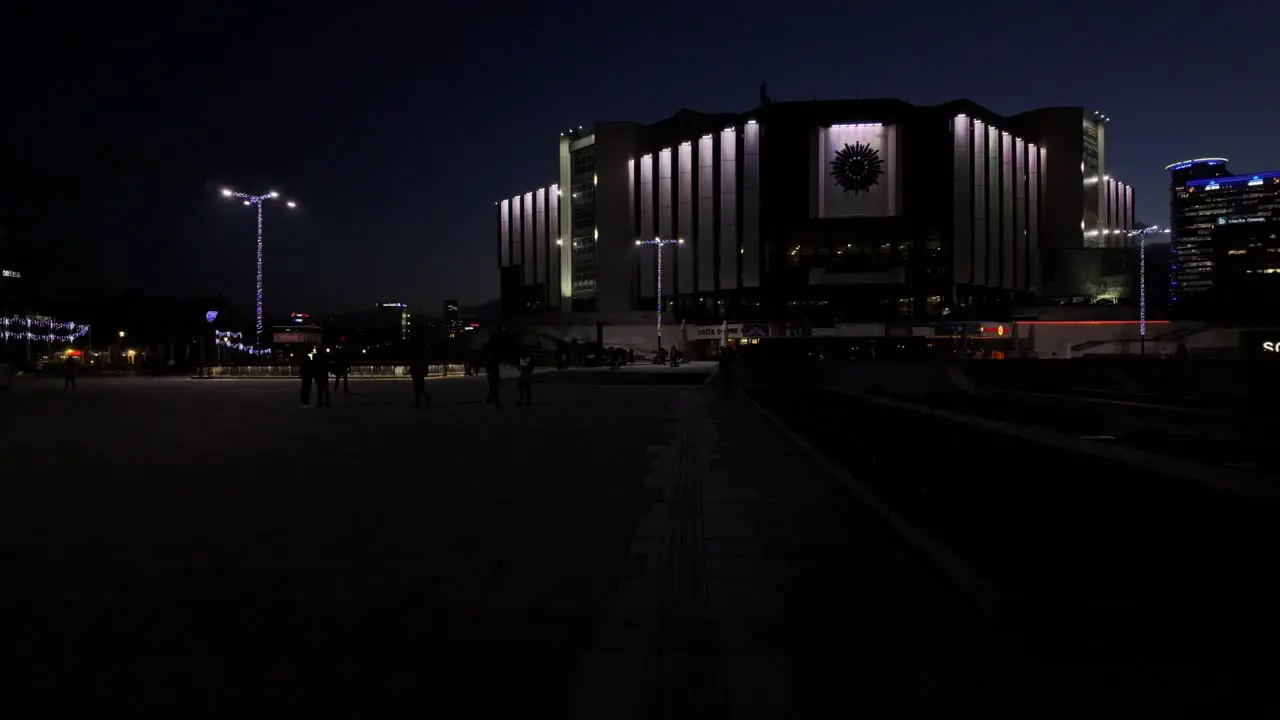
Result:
418,375
69,373
306,371
525,383
492,369
631,356
726,370
321,369
341,373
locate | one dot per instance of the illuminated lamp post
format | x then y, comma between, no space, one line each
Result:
257,200
1142,234
658,243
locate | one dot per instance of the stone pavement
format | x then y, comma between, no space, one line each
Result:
611,552
759,588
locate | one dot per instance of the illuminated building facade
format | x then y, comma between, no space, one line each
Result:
394,320
831,210
1224,229
452,318
1085,246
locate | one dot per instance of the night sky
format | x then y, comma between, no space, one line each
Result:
396,128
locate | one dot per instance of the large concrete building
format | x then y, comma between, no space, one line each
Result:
1089,213
844,210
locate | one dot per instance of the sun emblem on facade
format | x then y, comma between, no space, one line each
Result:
857,168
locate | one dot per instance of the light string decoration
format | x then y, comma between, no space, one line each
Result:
231,339
257,200
1142,234
658,243
41,329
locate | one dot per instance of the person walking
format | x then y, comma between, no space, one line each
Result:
418,374
341,372
306,371
69,373
321,370
525,383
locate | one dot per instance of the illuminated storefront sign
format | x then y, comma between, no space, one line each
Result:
712,332
286,337
11,274
1271,346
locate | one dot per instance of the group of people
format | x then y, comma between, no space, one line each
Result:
315,369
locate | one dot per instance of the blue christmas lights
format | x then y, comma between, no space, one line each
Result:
29,328
231,339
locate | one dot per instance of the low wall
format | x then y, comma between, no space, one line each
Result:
357,371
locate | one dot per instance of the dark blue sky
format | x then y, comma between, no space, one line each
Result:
396,128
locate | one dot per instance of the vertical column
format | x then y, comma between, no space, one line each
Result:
1129,203
751,205
1108,222
989,261
1122,207
684,196
648,255
565,206
527,241
633,229
729,248
504,233
539,237
979,274
1006,208
665,227
961,250
1036,155
1020,281
517,232
554,248
706,217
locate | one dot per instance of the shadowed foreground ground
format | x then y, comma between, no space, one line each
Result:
608,552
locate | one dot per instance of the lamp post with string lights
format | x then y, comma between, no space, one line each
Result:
658,244
1141,234
257,200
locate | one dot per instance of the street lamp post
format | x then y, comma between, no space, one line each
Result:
257,200
1142,234
658,243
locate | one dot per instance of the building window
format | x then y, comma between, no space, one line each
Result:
582,188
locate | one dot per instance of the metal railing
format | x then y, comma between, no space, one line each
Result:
356,371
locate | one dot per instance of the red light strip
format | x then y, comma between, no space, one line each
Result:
1088,322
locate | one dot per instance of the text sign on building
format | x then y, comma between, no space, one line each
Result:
1271,346
712,332
297,337
11,274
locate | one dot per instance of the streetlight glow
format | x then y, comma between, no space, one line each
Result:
257,200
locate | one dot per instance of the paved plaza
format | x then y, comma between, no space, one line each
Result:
620,551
